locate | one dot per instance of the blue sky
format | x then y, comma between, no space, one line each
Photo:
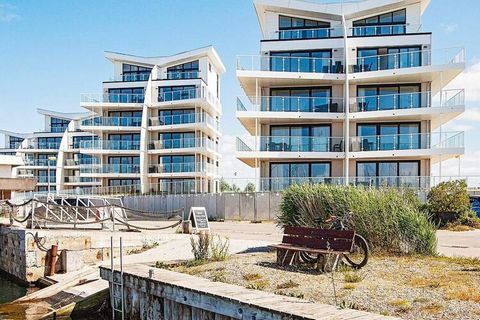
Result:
52,51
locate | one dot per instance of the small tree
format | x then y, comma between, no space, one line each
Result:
235,188
450,202
225,186
250,187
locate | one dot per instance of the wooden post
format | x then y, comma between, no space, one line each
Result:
187,227
53,259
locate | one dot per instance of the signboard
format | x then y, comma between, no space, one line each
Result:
198,217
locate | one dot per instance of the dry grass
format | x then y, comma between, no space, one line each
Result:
288,285
464,294
258,285
402,305
459,228
349,286
251,276
353,277
433,308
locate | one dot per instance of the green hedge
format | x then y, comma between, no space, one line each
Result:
390,220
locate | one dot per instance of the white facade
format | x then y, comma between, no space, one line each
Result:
358,74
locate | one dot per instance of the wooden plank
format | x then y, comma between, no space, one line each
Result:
324,244
319,233
304,249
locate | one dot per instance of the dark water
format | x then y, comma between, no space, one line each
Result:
9,290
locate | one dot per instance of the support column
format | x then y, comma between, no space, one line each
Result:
346,123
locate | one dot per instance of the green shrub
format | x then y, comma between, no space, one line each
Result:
219,248
449,202
200,246
207,247
389,219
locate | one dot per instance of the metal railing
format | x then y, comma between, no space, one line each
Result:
110,145
131,77
306,33
113,97
77,179
411,141
183,167
291,104
40,162
409,59
182,144
384,30
242,146
414,100
186,118
178,95
180,75
43,145
113,122
78,162
110,168
301,144
288,64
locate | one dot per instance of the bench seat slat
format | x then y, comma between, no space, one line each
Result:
304,249
320,233
318,243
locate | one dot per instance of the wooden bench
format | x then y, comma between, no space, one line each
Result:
314,241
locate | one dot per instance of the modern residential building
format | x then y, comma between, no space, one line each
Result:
157,122
8,184
347,92
155,127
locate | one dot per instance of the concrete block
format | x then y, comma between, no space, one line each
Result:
72,260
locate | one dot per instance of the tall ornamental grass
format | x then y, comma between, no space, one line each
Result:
389,219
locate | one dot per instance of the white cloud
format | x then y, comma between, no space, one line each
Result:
8,13
470,81
449,27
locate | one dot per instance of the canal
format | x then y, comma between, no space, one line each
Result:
9,290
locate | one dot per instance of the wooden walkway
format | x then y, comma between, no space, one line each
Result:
182,296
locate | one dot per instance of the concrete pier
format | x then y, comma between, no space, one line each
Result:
170,295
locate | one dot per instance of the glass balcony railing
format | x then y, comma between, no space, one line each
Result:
410,59
185,167
40,162
183,144
186,118
289,64
78,162
113,122
44,179
292,104
43,145
111,168
180,75
178,95
110,145
113,98
58,129
131,77
300,144
77,179
414,100
411,141
307,33
384,30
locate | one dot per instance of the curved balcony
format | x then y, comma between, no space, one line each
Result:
35,145
112,123
112,100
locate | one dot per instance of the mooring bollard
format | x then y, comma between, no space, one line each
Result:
187,226
53,259
151,272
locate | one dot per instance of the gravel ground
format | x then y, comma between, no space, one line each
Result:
406,287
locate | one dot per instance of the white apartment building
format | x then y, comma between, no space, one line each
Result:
347,92
155,127
157,122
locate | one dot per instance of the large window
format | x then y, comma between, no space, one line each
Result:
389,136
124,141
302,61
180,116
389,97
14,142
176,140
180,163
126,95
58,125
300,100
283,175
43,176
124,164
79,139
187,70
373,59
389,173
386,24
176,93
298,28
300,139
49,142
135,73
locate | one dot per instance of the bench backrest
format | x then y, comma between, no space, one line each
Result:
315,238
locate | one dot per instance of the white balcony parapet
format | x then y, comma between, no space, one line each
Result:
410,59
288,64
411,141
414,100
291,104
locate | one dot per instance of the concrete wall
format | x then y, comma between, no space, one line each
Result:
260,206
